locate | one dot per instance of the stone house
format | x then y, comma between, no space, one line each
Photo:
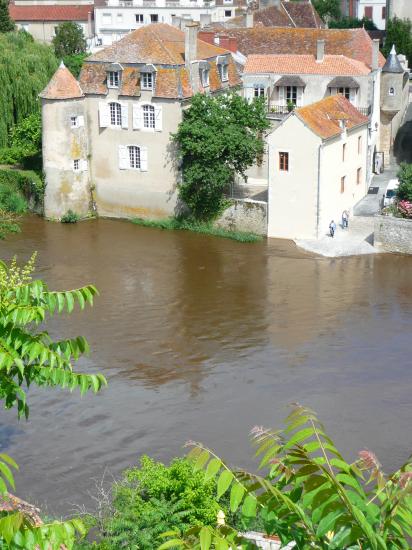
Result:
311,184
106,138
42,20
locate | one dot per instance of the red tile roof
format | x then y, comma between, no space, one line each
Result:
62,85
50,13
288,14
323,117
338,65
352,43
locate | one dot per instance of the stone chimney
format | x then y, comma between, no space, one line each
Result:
207,36
375,54
228,43
249,19
320,50
191,31
89,24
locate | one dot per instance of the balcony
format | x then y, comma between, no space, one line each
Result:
280,111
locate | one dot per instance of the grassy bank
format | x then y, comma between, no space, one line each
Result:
173,224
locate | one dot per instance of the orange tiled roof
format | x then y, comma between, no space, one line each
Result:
159,44
323,116
50,13
130,83
62,85
338,65
352,43
288,14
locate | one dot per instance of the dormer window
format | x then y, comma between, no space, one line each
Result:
113,79
147,81
205,77
222,64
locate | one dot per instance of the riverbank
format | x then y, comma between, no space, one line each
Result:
173,224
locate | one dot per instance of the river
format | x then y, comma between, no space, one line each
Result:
202,338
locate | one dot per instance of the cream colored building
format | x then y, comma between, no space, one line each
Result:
317,167
399,8
107,138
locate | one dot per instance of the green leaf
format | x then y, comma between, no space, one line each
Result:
327,523
205,538
249,507
172,543
236,496
69,301
201,460
212,468
223,483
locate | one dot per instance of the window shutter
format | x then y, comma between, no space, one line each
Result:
352,96
80,120
158,118
137,117
281,95
104,114
125,114
123,157
299,96
143,159
84,165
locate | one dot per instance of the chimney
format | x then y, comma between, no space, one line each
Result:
320,50
191,31
375,54
228,43
249,19
205,19
207,36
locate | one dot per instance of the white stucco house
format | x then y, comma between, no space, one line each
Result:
317,168
375,10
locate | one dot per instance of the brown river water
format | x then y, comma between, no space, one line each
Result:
202,338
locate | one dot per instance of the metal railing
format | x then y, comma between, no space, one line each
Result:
285,110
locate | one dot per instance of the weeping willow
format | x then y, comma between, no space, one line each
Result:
25,68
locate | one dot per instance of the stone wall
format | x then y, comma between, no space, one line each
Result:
393,234
245,215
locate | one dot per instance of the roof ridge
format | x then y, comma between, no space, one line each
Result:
159,40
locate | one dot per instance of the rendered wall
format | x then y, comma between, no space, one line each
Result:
393,234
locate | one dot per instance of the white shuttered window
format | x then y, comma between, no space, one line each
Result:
133,157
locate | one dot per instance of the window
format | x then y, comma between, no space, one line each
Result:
227,1
224,73
228,13
345,92
113,79
74,121
147,81
284,162
359,145
139,18
205,77
291,94
119,17
342,184
259,91
358,176
115,114
383,12
148,116
369,12
154,18
391,91
107,19
76,165
344,152
134,156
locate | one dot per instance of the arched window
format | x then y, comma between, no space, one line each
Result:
148,116
115,114
134,156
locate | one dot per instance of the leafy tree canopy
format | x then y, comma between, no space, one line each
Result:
327,9
404,192
25,69
74,62
399,33
307,494
69,40
6,23
218,138
352,23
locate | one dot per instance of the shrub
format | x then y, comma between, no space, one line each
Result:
74,62
69,39
405,208
404,191
70,217
24,182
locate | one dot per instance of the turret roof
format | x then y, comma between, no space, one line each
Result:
392,64
62,85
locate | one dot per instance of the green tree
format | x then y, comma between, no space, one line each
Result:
404,191
309,494
24,144
327,9
219,137
399,33
352,23
29,356
69,40
74,63
6,23
25,69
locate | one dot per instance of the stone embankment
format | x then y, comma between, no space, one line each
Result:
393,234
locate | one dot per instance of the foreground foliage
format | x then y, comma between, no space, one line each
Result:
308,493
174,224
29,356
24,144
152,499
25,69
219,137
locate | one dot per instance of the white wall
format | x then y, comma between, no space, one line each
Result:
377,12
